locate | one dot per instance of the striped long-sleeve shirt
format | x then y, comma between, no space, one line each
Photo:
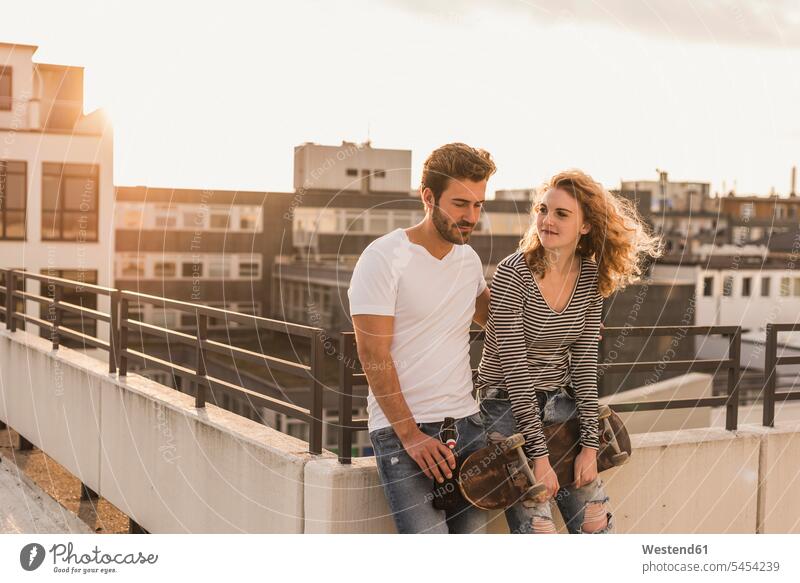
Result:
531,347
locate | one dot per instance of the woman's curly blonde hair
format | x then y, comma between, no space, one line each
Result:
618,240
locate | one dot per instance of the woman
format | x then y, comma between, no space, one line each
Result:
539,360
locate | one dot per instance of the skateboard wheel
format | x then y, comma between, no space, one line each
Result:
514,441
619,458
603,412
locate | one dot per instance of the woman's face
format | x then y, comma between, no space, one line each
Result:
559,221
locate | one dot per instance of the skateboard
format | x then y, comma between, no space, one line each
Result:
563,444
499,475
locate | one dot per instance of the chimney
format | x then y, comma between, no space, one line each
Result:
793,192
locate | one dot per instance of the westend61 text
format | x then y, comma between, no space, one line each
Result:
670,550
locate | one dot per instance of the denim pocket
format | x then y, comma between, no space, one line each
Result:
476,419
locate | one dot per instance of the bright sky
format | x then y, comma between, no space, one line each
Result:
217,94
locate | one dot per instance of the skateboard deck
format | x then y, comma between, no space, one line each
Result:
563,444
498,475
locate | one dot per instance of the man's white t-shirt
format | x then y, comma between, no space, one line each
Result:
433,302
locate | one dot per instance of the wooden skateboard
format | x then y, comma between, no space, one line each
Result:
563,444
499,475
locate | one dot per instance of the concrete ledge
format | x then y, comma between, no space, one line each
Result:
341,498
778,477
697,480
146,448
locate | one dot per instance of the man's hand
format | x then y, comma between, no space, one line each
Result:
585,467
544,473
434,458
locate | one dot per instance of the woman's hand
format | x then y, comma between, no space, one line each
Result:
543,472
585,467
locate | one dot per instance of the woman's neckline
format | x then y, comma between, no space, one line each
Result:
572,295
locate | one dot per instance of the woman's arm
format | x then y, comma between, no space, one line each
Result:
506,314
583,370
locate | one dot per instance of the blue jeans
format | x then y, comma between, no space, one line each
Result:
554,407
410,492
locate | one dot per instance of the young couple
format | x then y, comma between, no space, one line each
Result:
414,294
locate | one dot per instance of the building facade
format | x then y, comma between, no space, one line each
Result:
56,179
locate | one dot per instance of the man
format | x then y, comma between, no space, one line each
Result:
413,294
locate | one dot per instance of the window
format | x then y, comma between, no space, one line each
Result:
219,219
132,219
746,210
136,311
353,222
727,286
164,269
217,267
784,291
188,320
708,286
378,222
746,283
13,199
165,217
351,172
132,267
765,284
5,89
192,269
248,219
249,269
69,202
165,318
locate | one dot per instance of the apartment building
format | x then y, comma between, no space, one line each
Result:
56,173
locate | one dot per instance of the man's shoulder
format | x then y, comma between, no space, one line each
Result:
388,241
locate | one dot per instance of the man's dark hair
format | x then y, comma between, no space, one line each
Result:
457,161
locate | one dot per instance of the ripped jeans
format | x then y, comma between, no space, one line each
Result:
554,407
410,493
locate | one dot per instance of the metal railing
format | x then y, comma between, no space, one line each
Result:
203,345
771,362
351,378
120,324
57,306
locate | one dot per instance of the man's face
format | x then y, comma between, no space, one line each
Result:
459,209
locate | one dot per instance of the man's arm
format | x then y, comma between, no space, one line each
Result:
482,309
374,340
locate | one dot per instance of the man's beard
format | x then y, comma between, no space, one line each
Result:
449,230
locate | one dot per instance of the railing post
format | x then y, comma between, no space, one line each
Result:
123,336
734,354
345,399
770,376
113,332
315,430
202,336
11,301
55,307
